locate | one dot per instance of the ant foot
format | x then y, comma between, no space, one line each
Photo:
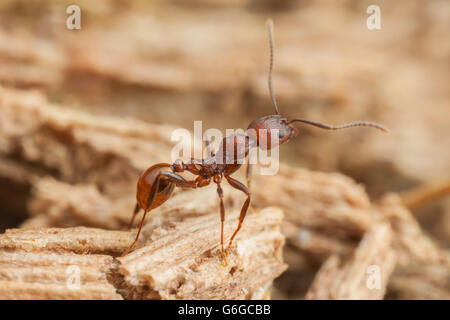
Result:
224,263
125,253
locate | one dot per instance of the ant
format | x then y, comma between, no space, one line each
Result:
157,183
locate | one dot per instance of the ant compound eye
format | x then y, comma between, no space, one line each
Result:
281,134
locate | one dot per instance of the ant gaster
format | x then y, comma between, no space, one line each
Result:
156,184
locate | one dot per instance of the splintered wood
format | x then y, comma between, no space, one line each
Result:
75,146
81,170
179,261
183,260
364,276
59,263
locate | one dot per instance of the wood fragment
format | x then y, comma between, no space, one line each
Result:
182,261
425,194
177,261
420,281
38,264
75,146
411,243
351,279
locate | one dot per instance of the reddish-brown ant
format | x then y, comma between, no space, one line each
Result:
157,183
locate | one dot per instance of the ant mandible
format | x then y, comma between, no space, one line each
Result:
156,184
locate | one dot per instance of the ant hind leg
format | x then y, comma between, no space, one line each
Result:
222,220
240,186
137,208
151,199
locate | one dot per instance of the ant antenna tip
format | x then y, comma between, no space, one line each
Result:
269,22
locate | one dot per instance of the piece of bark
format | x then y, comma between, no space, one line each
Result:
58,204
430,204
183,261
325,213
330,202
172,261
424,194
75,146
411,243
350,279
39,263
420,281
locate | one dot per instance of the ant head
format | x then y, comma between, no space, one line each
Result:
261,130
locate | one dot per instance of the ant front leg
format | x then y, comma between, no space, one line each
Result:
240,186
248,174
222,220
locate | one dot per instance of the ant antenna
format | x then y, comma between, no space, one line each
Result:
313,123
269,24
343,126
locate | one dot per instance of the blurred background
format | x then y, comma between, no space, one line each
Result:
174,61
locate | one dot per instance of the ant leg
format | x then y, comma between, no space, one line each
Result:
137,208
240,186
248,174
222,220
182,183
151,198
179,180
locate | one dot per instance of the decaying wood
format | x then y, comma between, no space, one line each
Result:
75,146
183,260
351,279
399,239
179,261
424,194
82,170
411,243
325,213
420,281
38,264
